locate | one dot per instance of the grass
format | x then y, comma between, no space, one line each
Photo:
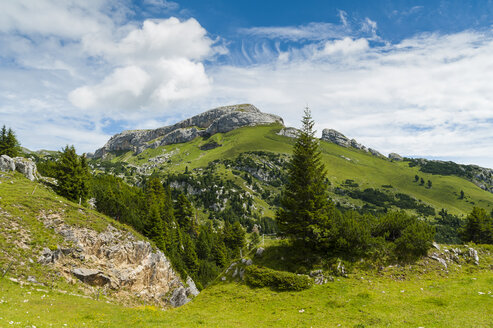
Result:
366,170
429,300
23,235
423,295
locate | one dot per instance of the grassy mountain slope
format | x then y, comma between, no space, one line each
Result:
422,295
24,235
342,164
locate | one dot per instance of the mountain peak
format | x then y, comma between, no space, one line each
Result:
217,120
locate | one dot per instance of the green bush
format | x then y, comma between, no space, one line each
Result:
278,280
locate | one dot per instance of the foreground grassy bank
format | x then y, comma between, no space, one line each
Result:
459,299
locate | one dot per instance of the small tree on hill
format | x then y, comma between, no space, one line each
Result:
8,143
429,183
422,181
72,175
304,204
479,227
416,178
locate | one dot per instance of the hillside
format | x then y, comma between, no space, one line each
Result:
425,294
254,158
55,244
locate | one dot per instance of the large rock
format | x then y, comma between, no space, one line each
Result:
289,132
336,137
23,165
221,119
115,258
6,163
91,277
27,167
395,157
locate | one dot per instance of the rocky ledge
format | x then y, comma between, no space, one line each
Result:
116,262
20,164
217,120
340,139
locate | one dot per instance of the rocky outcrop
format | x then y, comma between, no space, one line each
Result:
217,120
336,137
20,164
340,139
289,132
117,260
395,157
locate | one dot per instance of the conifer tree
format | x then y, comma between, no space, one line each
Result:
72,176
184,215
191,260
8,143
304,204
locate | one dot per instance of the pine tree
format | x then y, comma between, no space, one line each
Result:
8,143
184,215
191,260
3,140
13,147
429,183
72,176
416,178
304,204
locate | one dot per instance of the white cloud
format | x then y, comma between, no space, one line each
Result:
431,95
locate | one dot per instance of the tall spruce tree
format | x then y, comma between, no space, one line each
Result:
72,175
303,215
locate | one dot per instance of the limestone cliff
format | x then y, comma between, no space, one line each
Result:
217,120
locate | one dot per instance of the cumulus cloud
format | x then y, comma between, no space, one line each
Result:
155,65
430,95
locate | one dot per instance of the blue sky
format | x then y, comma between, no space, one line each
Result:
413,77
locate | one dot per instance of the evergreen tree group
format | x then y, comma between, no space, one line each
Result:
72,174
311,221
8,143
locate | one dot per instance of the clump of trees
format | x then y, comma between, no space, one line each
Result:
197,250
8,143
312,222
478,227
72,174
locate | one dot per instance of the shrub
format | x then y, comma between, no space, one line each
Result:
278,280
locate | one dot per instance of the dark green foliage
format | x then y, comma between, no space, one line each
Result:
422,181
254,240
478,228
184,215
304,205
416,178
191,260
8,143
350,235
407,236
115,198
446,168
277,280
429,183
73,176
415,241
461,194
447,228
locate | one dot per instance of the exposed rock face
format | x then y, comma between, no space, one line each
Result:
91,277
221,119
289,132
23,165
117,260
340,139
336,137
395,157
6,163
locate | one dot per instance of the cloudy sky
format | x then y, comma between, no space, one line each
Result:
413,77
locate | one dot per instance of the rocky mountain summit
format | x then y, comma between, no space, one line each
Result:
217,120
